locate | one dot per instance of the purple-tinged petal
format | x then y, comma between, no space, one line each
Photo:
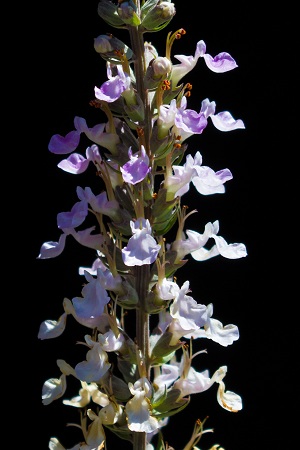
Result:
73,218
136,169
91,305
111,90
190,121
62,145
225,122
207,107
95,366
210,182
97,134
221,63
52,249
80,124
92,154
84,237
75,164
142,248
51,328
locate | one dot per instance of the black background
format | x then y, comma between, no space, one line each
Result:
61,70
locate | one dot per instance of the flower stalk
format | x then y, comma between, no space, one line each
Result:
132,382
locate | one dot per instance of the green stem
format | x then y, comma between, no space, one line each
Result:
142,275
137,44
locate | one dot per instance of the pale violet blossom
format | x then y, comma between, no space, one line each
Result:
231,251
52,249
110,342
194,244
77,163
112,89
138,409
166,289
190,314
61,145
193,382
168,374
97,264
142,248
205,179
137,168
223,62
99,203
214,329
96,364
188,122
90,306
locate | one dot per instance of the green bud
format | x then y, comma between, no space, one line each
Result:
111,48
157,14
130,299
134,109
157,71
164,213
154,304
162,352
108,11
172,404
127,12
161,147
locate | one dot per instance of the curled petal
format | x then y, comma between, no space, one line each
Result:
51,328
223,62
61,145
225,122
52,249
75,164
230,251
228,400
95,366
53,389
73,218
136,169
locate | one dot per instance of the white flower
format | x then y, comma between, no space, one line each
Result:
138,409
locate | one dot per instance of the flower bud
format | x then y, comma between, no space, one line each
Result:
134,106
127,12
108,11
111,49
159,16
161,66
157,71
102,43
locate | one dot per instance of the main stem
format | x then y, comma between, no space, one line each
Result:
142,275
